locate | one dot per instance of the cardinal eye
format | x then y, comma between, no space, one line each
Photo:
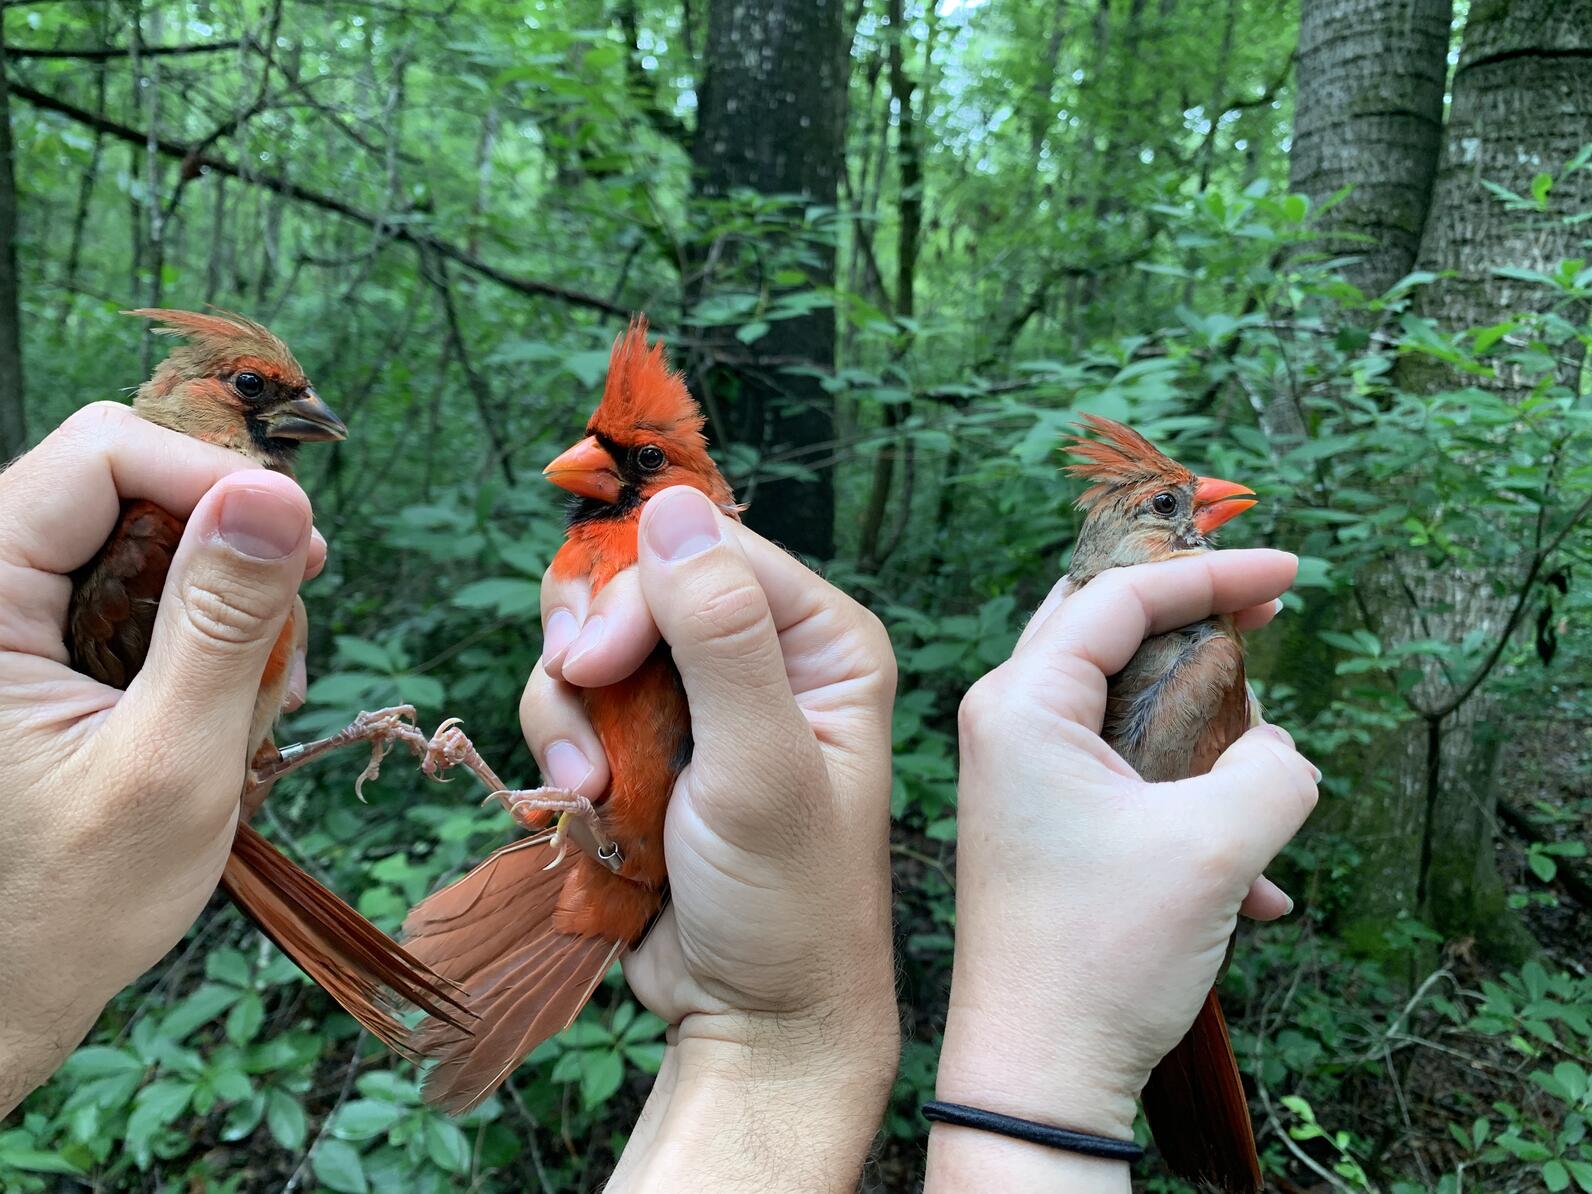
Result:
250,385
1163,503
651,458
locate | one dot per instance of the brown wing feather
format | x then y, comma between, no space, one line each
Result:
115,595
1179,703
493,933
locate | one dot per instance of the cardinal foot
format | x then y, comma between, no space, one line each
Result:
578,822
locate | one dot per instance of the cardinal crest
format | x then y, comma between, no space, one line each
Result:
217,340
643,391
1118,460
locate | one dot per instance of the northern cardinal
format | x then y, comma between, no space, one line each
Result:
531,931
1178,704
236,385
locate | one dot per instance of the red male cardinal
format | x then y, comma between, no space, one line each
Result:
530,932
1180,702
236,385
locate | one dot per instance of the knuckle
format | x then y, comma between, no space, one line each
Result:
90,427
876,655
227,616
981,707
732,617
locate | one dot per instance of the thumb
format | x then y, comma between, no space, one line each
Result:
1256,797
710,608
233,581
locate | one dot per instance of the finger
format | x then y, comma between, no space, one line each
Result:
565,600
1266,901
837,654
617,635
1094,632
1059,592
1255,799
63,498
317,557
1257,616
559,734
233,581
706,599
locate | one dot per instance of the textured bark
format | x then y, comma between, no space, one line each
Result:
13,427
1522,104
772,106
1370,114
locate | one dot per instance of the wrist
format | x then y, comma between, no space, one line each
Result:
1052,1070
769,1102
32,1048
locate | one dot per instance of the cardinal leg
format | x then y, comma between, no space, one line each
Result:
380,730
577,818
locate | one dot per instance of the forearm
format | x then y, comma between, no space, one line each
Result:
766,1105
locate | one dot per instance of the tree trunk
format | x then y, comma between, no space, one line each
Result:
1522,105
1369,115
13,426
772,120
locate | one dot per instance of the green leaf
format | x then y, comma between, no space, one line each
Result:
1555,1176
365,1119
204,1005
646,1058
446,1145
337,1164
508,595
749,332
600,1076
245,1018
33,1160
364,653
100,1061
285,1119
229,966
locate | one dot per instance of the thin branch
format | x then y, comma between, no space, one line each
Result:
106,53
532,287
1515,614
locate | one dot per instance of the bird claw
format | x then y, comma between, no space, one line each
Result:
578,821
381,729
447,749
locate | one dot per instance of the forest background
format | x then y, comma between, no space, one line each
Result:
1339,254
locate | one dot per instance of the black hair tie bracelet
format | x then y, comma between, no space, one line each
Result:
960,1116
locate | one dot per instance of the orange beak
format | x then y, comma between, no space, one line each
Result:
1217,502
586,470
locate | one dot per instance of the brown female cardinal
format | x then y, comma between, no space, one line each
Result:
530,932
236,385
1179,703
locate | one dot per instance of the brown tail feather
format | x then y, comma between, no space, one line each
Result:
351,959
492,933
1198,1112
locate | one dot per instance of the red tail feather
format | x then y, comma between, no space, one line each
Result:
493,933
357,964
1198,1112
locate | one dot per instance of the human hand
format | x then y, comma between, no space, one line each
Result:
117,809
773,960
1094,909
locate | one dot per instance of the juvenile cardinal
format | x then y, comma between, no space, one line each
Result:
530,932
1180,702
236,385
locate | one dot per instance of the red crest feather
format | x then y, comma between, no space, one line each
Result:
1119,459
643,391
